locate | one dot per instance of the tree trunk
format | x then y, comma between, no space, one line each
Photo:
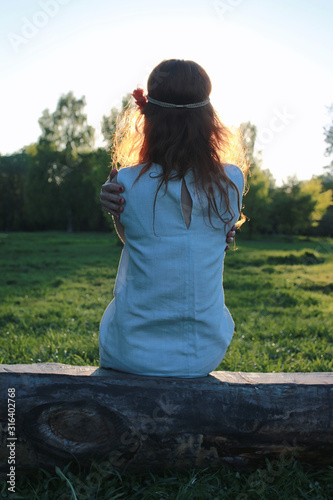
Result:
146,423
69,220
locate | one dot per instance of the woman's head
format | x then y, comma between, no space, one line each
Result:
178,138
179,82
181,138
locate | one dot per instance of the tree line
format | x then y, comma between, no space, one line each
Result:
296,207
55,183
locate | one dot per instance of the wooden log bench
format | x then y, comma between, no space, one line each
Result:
146,423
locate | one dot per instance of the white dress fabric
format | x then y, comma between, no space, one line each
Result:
168,317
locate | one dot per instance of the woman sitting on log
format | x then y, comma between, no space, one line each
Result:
178,203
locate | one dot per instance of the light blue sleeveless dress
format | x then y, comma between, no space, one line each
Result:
168,317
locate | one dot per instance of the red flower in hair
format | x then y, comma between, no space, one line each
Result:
140,98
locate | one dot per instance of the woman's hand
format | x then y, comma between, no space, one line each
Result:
110,197
230,236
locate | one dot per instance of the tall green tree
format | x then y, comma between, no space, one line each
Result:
66,137
325,226
260,183
109,122
248,134
328,132
66,129
292,208
321,197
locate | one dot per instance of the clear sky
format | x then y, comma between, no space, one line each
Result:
270,62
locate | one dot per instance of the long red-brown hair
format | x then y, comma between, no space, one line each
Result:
181,138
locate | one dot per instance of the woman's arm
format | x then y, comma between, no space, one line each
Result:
110,197
118,225
120,229
112,202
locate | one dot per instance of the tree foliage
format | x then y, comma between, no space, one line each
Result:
328,132
296,207
325,225
109,122
62,150
321,198
260,184
66,129
291,208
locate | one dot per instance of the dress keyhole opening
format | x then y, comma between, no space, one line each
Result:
186,202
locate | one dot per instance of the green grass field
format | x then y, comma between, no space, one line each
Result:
54,288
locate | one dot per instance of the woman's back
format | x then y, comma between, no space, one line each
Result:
168,316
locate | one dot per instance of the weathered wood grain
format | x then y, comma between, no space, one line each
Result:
145,423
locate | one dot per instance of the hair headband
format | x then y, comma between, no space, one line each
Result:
170,105
141,101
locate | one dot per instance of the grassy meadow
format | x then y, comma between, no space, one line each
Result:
54,288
